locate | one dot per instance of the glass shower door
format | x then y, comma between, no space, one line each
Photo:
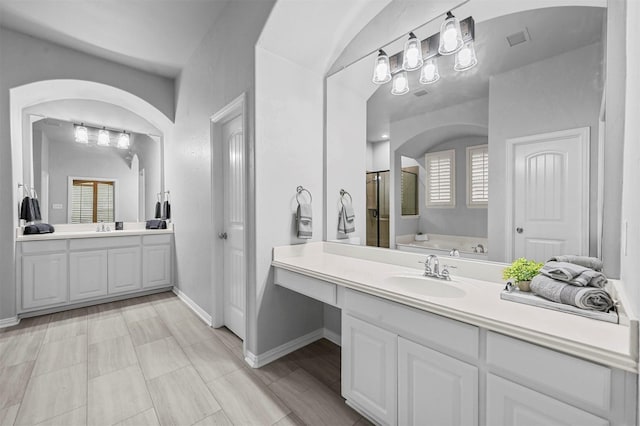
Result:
378,208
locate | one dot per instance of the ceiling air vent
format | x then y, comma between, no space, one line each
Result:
518,38
420,93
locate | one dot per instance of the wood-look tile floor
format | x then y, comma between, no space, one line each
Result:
151,361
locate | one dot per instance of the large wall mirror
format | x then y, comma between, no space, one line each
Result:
496,162
97,179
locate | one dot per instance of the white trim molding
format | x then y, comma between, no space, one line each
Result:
257,361
9,322
204,316
332,336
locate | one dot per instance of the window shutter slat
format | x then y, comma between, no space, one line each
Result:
478,175
440,179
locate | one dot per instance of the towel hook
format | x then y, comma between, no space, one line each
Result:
344,193
299,190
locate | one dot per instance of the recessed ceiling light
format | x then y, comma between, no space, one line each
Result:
384,135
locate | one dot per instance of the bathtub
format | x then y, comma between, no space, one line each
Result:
441,245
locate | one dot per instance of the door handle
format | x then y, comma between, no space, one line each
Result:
519,230
222,235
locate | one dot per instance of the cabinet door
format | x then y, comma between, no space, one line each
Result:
369,369
88,274
44,280
156,266
124,269
435,389
511,404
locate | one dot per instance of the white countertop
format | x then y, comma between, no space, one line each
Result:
361,268
72,231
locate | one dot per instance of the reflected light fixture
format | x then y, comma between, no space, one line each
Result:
429,73
400,84
466,57
103,137
81,134
450,36
382,70
123,140
412,57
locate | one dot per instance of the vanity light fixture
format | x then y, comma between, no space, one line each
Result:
466,58
382,70
400,84
123,140
412,56
81,133
450,36
103,137
429,73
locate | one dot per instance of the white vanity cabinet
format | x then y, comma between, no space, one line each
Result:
369,374
435,389
43,271
78,271
156,260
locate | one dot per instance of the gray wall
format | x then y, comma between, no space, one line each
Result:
561,92
150,155
25,59
459,220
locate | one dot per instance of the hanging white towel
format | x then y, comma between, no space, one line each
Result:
346,219
304,216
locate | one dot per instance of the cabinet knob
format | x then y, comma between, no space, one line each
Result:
222,235
519,230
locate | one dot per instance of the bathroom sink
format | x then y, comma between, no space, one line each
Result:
424,286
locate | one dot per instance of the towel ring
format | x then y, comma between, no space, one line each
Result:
300,190
344,193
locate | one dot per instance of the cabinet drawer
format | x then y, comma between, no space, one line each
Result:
314,288
156,239
435,331
102,242
43,246
569,378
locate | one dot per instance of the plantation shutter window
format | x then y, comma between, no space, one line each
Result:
92,201
440,186
478,176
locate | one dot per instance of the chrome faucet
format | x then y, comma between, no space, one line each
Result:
454,252
434,271
478,249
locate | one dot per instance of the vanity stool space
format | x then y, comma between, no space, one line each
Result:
78,270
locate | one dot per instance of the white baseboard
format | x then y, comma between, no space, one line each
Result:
332,336
257,361
204,316
9,322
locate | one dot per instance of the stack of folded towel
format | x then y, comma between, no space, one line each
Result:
346,222
573,280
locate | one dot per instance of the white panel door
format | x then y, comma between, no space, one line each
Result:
124,269
369,369
550,194
509,404
435,389
234,213
156,266
44,280
88,274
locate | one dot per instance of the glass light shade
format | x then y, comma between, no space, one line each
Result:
103,137
466,57
412,57
429,73
450,36
81,134
123,141
382,70
400,84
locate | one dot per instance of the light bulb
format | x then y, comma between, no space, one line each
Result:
81,134
466,58
450,36
123,141
400,84
429,73
103,137
382,70
412,58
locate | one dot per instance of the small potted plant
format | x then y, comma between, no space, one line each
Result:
522,271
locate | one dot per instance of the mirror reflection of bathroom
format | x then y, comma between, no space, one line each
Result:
378,208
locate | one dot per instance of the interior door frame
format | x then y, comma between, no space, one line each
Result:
582,133
236,107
